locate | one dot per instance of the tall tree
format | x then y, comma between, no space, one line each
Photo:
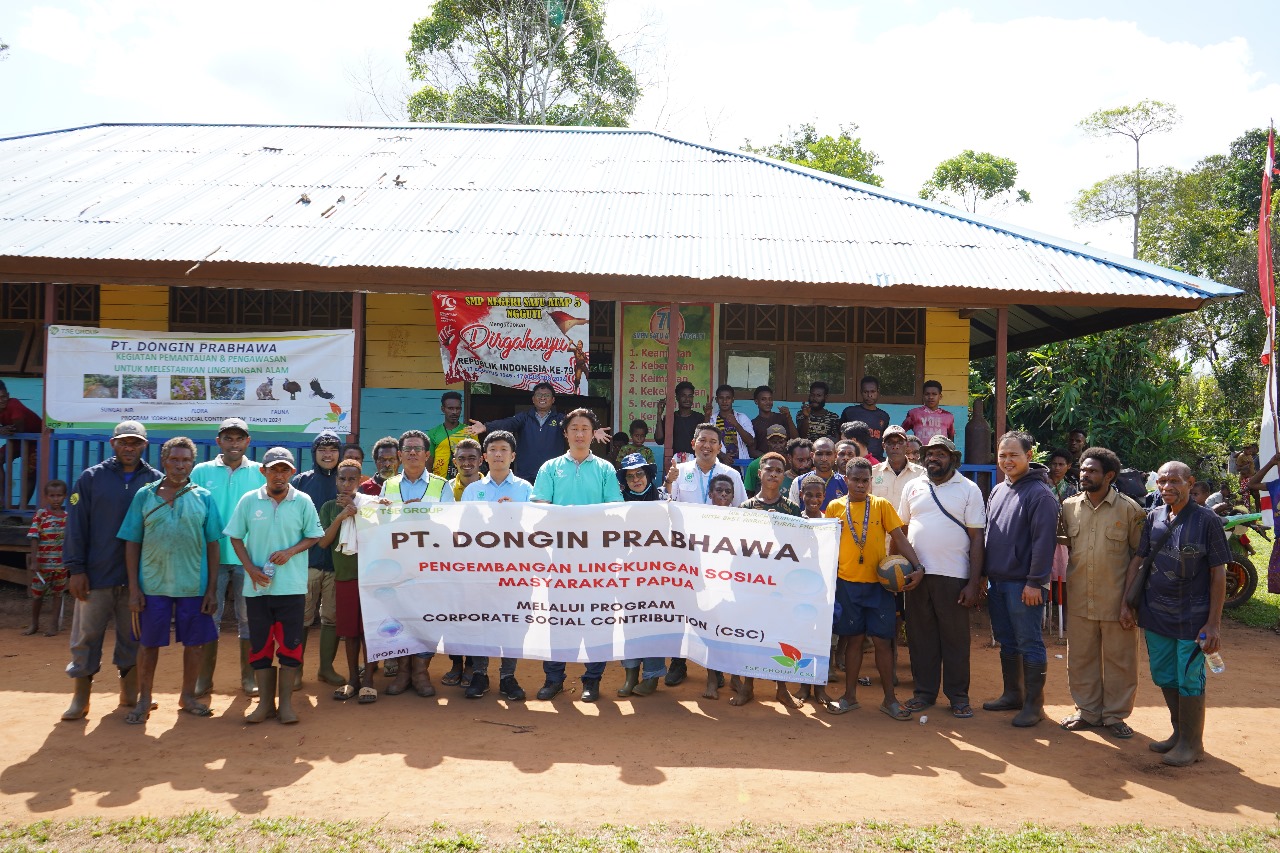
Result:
1132,122
972,178
518,61
841,155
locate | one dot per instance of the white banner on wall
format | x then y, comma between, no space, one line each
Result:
276,381
741,591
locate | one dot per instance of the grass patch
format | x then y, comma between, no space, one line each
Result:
1263,609
206,831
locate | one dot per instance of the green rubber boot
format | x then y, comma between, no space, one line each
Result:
633,678
266,708
328,651
79,707
247,682
285,700
208,662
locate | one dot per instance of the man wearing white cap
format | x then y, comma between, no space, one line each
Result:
228,476
891,476
94,558
271,530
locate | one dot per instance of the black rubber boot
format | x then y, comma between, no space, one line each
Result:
1190,746
208,663
1170,699
1033,676
1011,699
79,707
633,678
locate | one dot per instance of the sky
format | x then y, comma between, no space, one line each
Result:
923,80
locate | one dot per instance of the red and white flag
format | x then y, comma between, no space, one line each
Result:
1269,433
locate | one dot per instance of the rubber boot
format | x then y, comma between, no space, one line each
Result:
266,707
247,682
402,679
328,651
633,678
129,687
208,662
79,707
295,676
285,700
1033,676
1011,699
420,677
1170,699
1190,746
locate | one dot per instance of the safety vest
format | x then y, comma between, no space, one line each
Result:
435,488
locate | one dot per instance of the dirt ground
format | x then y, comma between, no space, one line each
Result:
672,757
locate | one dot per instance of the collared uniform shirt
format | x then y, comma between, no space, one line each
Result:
512,489
227,485
888,485
1101,542
563,481
940,543
266,527
693,485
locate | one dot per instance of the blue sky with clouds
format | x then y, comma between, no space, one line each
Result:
924,80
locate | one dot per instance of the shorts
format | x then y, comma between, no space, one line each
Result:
1176,664
349,620
865,608
54,581
190,626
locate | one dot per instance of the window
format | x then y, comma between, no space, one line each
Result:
223,309
22,321
794,345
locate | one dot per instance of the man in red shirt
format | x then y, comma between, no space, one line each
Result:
16,418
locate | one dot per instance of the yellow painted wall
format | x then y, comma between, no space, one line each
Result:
946,354
401,348
134,306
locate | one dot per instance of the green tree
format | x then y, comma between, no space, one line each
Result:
841,155
1132,122
972,178
518,61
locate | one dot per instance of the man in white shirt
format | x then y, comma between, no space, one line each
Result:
945,519
890,478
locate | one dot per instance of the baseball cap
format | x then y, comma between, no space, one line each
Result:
942,441
775,429
326,437
129,429
893,429
632,461
278,456
234,423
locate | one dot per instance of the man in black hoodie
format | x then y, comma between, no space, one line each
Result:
321,484
1022,524
94,558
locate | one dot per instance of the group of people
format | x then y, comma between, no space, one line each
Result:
156,550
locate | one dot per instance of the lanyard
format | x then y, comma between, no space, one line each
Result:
866,522
704,481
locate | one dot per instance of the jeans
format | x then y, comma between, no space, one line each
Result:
554,670
653,667
89,631
232,575
1016,626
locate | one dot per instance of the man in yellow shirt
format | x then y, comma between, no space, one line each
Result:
865,608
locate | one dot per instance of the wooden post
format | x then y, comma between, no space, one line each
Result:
1002,367
357,368
673,364
45,449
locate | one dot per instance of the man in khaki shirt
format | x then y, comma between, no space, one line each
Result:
1102,528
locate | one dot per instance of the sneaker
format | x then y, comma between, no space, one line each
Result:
478,687
590,689
511,689
677,673
550,689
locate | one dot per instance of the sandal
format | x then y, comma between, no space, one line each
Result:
841,706
197,710
915,705
1120,729
865,681
895,710
962,712
451,678
344,692
1077,723
368,695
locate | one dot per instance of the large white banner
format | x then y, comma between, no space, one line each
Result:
741,591
276,381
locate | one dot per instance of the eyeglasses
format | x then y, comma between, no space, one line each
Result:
414,450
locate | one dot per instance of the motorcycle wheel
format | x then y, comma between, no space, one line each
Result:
1242,580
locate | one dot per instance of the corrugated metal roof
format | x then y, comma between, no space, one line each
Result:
466,197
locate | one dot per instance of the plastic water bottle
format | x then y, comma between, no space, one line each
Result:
1213,661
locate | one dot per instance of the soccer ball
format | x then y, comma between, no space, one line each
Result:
892,572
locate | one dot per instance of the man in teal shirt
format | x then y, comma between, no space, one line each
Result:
171,534
228,476
271,530
575,479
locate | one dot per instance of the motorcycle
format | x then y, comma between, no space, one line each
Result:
1242,576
